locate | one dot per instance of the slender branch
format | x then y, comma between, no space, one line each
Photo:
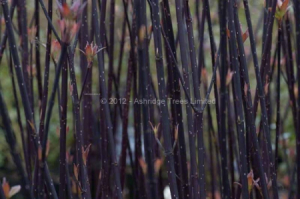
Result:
278,125
50,21
63,133
85,80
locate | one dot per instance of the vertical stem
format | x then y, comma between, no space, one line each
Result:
223,71
111,47
231,140
84,83
278,117
63,127
86,70
37,52
212,168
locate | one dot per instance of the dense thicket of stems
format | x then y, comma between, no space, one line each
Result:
11,140
126,107
99,37
22,86
260,87
144,87
198,120
237,90
290,74
191,131
164,113
248,107
78,128
142,99
23,136
176,109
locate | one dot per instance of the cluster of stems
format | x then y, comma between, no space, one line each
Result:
148,101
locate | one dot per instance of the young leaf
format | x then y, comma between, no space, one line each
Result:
143,165
76,170
281,9
157,164
14,190
85,153
229,77
155,129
